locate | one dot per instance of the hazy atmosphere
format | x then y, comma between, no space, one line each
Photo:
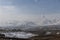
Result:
29,19
40,12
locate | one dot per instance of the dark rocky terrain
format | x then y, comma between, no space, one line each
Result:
55,37
40,30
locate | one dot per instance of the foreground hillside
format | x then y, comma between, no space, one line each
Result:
55,37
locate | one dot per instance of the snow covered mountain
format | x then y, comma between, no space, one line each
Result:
34,25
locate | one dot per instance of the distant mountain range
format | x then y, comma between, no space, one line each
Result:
31,26
46,23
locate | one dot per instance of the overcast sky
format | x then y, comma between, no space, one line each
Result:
28,10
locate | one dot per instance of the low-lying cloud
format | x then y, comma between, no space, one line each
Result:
12,14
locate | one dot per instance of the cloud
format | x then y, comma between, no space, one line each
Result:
6,12
7,9
9,13
12,13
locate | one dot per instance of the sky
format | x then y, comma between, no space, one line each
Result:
29,10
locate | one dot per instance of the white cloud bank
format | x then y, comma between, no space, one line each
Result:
11,13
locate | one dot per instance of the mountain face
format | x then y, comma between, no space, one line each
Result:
23,26
52,27
32,26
